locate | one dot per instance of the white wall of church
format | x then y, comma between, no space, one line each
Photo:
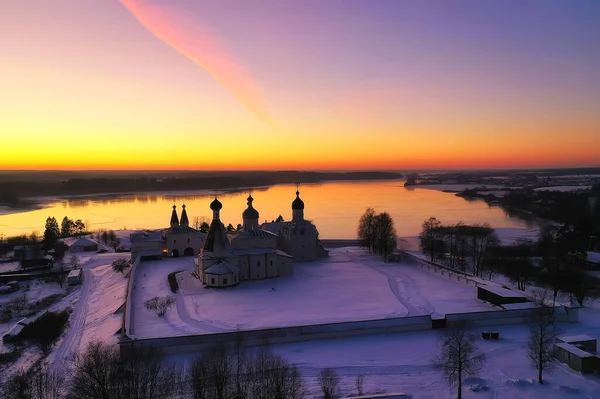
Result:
181,242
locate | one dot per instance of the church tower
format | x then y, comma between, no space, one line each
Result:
174,218
297,208
216,243
250,216
184,218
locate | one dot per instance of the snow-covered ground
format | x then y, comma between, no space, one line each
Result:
93,304
350,285
402,363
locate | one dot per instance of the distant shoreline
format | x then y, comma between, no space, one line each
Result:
36,202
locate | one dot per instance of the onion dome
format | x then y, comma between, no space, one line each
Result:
216,205
298,203
250,212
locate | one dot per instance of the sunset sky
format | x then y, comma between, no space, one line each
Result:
299,84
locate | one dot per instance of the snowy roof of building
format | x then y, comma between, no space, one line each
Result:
517,306
573,349
15,330
146,236
221,267
83,242
74,273
183,230
255,233
273,227
593,257
575,338
260,251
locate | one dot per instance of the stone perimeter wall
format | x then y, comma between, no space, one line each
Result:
195,343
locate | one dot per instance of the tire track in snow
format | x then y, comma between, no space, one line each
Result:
76,322
409,286
184,315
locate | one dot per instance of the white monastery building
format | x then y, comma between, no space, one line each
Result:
256,252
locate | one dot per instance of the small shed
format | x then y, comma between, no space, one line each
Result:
576,358
74,277
83,245
12,335
499,296
584,342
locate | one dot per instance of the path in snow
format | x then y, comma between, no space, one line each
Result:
410,296
184,315
76,323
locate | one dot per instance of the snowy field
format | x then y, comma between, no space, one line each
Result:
402,363
350,285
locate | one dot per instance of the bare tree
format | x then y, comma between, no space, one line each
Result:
430,236
18,386
95,372
57,274
366,229
542,334
329,381
385,234
359,383
18,305
159,304
120,265
47,384
459,356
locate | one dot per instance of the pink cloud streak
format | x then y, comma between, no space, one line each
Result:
197,43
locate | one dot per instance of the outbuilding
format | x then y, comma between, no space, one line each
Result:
83,245
74,277
499,296
576,358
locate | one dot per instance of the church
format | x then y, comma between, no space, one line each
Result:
256,252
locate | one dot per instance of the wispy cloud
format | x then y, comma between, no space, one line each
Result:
187,36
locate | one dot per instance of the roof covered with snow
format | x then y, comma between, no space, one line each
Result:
183,230
260,251
146,236
575,338
222,267
83,242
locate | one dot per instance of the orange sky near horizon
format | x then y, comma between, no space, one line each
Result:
140,85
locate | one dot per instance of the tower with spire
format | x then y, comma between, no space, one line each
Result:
180,238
